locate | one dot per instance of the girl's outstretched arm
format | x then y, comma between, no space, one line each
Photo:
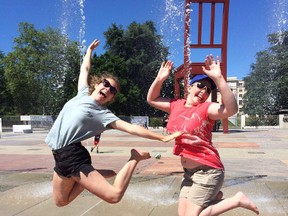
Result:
141,131
86,65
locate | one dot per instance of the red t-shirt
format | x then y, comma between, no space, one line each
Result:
196,143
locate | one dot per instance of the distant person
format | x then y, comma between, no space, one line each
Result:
145,125
164,123
96,143
203,170
218,123
81,118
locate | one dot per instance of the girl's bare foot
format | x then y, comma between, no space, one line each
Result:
139,155
245,202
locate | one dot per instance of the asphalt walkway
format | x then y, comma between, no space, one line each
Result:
256,163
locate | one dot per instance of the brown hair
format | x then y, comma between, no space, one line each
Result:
97,79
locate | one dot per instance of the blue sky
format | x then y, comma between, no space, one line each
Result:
249,23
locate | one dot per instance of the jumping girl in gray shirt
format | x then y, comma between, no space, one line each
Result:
83,117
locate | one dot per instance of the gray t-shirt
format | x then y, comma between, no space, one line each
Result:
81,118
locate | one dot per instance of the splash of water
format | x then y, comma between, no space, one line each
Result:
34,191
71,19
172,29
280,13
82,41
69,25
188,41
278,24
171,26
152,194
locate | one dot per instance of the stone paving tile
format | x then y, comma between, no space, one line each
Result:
256,162
236,145
164,166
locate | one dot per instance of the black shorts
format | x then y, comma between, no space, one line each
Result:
71,160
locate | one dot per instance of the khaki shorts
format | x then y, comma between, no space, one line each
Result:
201,185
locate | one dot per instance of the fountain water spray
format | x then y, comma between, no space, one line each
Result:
82,27
69,25
172,30
171,25
280,16
278,24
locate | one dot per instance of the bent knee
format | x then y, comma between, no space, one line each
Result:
114,200
60,203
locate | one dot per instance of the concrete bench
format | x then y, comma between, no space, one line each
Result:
22,129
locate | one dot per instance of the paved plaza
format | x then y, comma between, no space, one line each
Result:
256,162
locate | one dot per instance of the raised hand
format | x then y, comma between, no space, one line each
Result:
165,70
172,136
94,44
212,67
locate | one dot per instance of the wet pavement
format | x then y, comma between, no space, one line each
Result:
256,162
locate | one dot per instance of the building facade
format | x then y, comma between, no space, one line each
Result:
238,89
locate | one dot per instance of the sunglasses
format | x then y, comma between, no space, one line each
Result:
107,84
202,86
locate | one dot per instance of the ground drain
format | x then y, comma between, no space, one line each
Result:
256,152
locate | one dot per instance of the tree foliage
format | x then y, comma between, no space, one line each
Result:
5,97
41,70
267,83
134,55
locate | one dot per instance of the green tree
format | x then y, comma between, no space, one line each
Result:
267,83
41,70
139,52
62,65
279,50
5,97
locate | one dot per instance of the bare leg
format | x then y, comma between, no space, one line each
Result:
97,184
124,176
181,206
238,200
187,208
107,173
65,190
